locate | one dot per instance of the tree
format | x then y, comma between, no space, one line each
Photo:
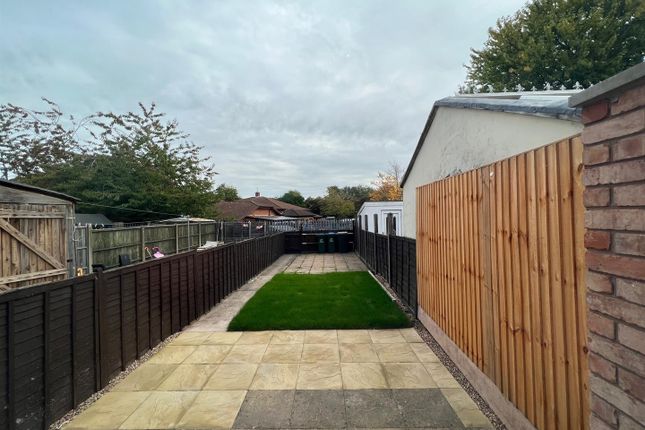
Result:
560,42
314,204
337,205
32,139
293,197
387,184
226,193
135,166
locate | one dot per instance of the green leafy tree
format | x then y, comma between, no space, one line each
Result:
293,197
336,204
132,163
226,193
560,42
314,204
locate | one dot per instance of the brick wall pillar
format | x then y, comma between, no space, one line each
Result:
614,176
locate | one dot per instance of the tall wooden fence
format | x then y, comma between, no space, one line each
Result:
392,257
500,267
61,342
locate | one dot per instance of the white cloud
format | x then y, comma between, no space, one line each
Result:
282,94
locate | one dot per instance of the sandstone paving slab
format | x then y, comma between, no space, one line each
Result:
319,376
320,353
321,336
386,336
411,335
208,354
465,408
146,377
226,338
190,338
358,353
408,375
245,353
288,336
235,376
160,410
395,353
363,376
172,354
188,377
271,376
441,375
255,337
213,410
110,411
424,353
354,336
283,353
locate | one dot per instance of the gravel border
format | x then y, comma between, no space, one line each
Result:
444,358
94,397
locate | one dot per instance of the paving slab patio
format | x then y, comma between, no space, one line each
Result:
207,378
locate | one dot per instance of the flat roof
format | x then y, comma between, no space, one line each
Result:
546,104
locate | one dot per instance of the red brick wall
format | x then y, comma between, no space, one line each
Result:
614,157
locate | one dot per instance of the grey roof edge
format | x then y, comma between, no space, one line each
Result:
544,107
34,189
622,81
534,107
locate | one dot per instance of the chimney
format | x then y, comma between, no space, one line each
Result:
257,194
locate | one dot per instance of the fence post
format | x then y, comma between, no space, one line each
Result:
176,238
199,234
143,244
90,257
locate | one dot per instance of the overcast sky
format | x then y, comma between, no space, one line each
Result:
282,94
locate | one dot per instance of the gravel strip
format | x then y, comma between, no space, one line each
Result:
445,359
94,397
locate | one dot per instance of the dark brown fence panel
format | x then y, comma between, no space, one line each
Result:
393,258
63,341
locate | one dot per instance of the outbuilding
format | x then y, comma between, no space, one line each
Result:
468,131
373,217
36,235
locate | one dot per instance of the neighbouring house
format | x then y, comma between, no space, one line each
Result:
468,131
36,228
262,208
94,220
373,217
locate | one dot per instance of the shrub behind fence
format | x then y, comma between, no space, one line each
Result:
62,342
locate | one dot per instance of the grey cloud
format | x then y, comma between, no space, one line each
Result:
282,94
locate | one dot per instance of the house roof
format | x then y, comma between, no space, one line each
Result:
92,219
244,208
548,104
33,189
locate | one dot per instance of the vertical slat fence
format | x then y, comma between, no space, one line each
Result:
499,270
61,342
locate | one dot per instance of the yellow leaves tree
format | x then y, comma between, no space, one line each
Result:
386,186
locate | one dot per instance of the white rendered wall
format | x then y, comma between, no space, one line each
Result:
464,139
382,209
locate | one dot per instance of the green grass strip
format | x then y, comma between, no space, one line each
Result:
340,300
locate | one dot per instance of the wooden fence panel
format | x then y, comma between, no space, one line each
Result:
501,272
393,258
61,342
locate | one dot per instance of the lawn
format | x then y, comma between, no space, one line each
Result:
341,300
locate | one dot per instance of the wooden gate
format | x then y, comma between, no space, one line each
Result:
35,235
33,246
500,268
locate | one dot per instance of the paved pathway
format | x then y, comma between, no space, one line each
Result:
325,263
207,378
